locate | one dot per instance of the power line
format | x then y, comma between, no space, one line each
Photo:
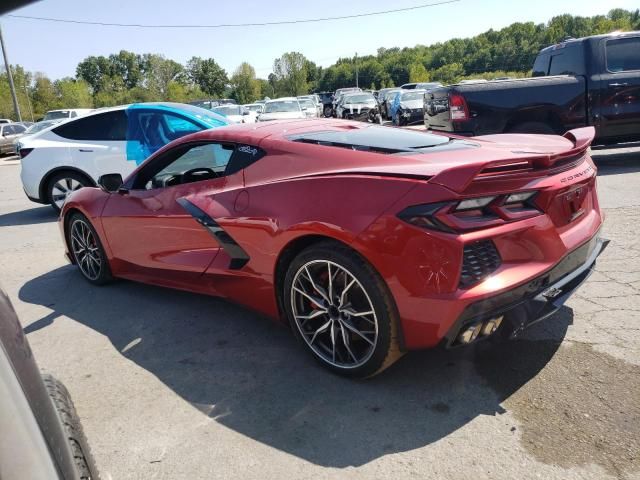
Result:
230,25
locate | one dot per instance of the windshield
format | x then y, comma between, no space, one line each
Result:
306,103
407,97
360,99
38,127
56,114
282,106
389,95
228,110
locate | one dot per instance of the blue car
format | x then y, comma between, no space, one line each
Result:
75,153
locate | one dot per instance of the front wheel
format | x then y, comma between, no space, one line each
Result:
341,310
87,250
327,112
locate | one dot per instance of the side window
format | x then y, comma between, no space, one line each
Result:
179,126
569,62
541,65
623,54
192,163
8,130
108,126
19,128
155,128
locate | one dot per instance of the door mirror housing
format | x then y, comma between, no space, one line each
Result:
111,182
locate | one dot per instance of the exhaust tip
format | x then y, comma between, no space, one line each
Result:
470,333
490,326
481,329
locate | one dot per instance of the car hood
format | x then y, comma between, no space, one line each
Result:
281,115
357,107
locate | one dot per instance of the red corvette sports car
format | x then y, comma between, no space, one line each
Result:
368,240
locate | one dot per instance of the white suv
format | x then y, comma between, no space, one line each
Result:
75,153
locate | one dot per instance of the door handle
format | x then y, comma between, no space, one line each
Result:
85,150
615,85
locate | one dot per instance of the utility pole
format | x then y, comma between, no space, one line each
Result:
356,69
26,92
12,87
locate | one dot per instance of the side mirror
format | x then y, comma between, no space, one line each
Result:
110,182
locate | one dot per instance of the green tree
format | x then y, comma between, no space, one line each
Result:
290,71
72,93
210,77
245,87
417,73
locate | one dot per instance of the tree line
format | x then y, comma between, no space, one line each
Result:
127,77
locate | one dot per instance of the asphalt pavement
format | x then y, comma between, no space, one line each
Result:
171,385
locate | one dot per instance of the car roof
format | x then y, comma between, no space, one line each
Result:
573,41
283,99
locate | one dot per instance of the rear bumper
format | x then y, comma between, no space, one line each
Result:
537,299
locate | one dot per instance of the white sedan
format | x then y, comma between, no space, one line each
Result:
75,153
282,108
235,113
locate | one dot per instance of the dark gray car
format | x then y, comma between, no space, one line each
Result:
41,436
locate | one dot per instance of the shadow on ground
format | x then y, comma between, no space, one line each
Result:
251,376
32,216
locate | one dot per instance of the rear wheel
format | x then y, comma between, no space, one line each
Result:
341,310
87,250
327,111
61,185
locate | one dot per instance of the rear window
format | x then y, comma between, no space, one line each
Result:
375,139
108,126
541,65
623,54
282,106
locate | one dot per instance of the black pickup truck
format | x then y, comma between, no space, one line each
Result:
586,81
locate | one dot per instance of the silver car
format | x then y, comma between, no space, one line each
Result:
8,133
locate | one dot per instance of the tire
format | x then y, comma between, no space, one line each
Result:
532,127
331,337
398,119
84,462
87,250
61,185
327,112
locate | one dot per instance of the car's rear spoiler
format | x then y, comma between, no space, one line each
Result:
460,177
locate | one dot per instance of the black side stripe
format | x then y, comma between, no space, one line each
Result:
239,257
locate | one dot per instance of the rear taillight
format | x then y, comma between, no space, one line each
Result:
458,107
23,152
472,213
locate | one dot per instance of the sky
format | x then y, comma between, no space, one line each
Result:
56,48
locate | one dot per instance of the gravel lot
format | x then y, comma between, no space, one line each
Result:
173,385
